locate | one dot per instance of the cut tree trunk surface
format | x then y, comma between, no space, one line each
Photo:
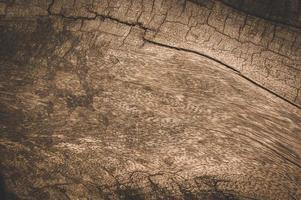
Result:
129,99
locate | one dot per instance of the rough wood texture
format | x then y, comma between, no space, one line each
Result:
285,12
128,99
